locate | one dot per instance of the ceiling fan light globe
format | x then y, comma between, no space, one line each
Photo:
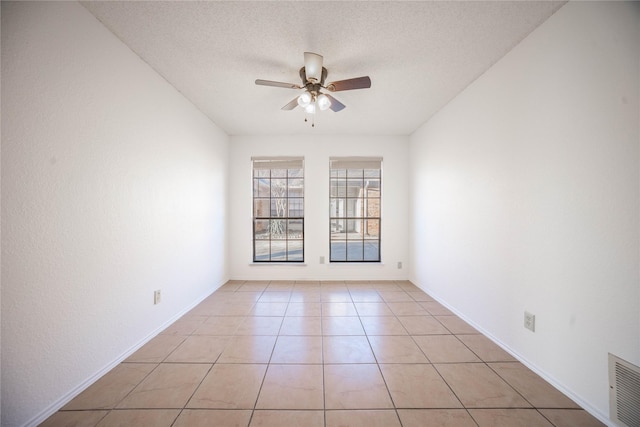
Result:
304,100
310,109
323,102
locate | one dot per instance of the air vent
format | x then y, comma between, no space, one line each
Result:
624,392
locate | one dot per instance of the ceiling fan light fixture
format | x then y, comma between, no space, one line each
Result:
310,109
323,102
304,100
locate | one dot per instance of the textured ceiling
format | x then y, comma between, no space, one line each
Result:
419,55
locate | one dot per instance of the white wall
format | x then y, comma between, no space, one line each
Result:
317,150
525,196
113,185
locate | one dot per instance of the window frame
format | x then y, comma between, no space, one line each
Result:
355,211
285,200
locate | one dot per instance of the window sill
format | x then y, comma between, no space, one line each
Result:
288,264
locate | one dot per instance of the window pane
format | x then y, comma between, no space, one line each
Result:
278,173
373,208
261,208
371,250
262,250
372,229
355,251
278,229
354,208
372,173
261,187
355,173
262,173
278,187
336,207
294,229
278,207
296,208
354,188
295,188
261,229
295,173
295,251
338,251
278,250
338,229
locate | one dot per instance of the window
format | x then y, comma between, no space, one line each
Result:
354,199
278,209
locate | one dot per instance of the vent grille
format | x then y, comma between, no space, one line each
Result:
624,392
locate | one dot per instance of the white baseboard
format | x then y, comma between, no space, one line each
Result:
604,418
67,397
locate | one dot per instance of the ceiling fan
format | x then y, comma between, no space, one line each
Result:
313,76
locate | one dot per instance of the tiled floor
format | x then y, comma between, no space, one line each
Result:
321,354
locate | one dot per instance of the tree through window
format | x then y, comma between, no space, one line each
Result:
278,209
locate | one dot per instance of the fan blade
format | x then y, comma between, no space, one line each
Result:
290,106
277,84
313,66
349,84
335,104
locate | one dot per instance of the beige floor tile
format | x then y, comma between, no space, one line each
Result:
435,308
373,309
338,309
275,296
335,295
260,325
385,285
383,325
347,349
302,295
355,387
436,418
229,387
254,286
352,418
298,350
509,418
445,349
419,296
486,349
74,419
140,417
269,309
220,325
301,326
304,309
418,386
248,349
456,325
292,387
199,349
342,326
422,325
365,295
396,349
226,308
185,325
156,350
537,391
213,417
230,286
571,418
170,385
275,418
395,296
112,387
477,386
407,308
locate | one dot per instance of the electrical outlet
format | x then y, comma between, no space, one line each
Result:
156,297
399,264
530,321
